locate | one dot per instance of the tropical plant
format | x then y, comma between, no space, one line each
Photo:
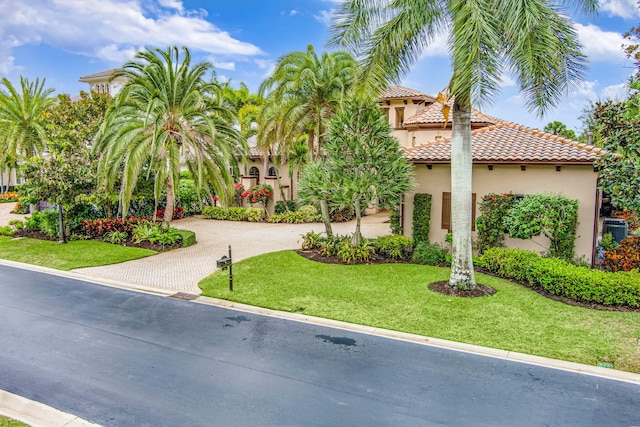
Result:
535,41
426,253
301,96
366,160
22,129
115,237
166,116
316,186
311,240
490,224
394,246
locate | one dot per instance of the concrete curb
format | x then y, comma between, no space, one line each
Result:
37,414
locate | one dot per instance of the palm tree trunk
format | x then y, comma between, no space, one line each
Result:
357,235
324,211
171,201
462,272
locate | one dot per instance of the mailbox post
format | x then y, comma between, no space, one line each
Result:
224,263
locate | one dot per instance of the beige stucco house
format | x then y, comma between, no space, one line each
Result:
506,158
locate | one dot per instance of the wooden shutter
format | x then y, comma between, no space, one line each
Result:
446,211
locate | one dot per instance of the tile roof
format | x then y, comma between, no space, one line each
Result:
432,114
508,142
399,92
106,73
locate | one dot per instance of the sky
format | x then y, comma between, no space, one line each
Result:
61,40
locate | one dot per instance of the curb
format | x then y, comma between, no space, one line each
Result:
37,414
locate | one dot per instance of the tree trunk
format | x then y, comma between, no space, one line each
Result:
324,210
171,202
462,272
357,235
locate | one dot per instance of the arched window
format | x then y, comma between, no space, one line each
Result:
273,171
254,171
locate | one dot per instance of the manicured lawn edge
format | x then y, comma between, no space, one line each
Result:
396,297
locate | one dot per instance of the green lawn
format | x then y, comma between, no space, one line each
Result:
395,296
8,422
76,254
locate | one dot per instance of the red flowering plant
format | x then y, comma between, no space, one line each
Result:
99,227
261,193
238,194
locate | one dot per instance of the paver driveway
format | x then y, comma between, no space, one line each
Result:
180,270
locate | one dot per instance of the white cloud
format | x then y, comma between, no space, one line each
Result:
600,45
324,17
113,29
231,66
7,64
627,9
615,92
507,81
263,63
293,12
439,46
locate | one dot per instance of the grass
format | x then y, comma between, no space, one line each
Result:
395,296
8,422
76,254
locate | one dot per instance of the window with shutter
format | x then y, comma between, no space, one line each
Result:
446,211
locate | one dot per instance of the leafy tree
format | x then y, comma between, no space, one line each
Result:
65,175
166,116
560,129
367,161
246,104
535,41
302,95
22,131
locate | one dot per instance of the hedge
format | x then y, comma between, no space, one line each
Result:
188,237
421,217
562,278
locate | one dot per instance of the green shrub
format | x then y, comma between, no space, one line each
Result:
308,213
115,237
607,242
426,253
281,206
6,230
394,220
350,254
237,214
552,215
16,224
490,226
144,231
45,221
560,277
215,212
394,246
421,217
312,240
165,237
255,214
188,238
330,247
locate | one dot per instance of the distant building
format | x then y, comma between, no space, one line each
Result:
102,82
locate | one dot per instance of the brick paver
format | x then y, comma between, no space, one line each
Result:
180,270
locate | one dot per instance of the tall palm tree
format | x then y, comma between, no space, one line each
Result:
302,94
22,128
165,116
534,40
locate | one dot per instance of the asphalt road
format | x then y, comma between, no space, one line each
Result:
121,358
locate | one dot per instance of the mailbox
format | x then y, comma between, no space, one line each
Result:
223,262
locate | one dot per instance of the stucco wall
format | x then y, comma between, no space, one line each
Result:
576,182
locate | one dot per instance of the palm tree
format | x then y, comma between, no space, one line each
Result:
534,40
302,94
166,116
22,130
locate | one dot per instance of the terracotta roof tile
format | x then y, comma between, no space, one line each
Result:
395,92
509,142
432,114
